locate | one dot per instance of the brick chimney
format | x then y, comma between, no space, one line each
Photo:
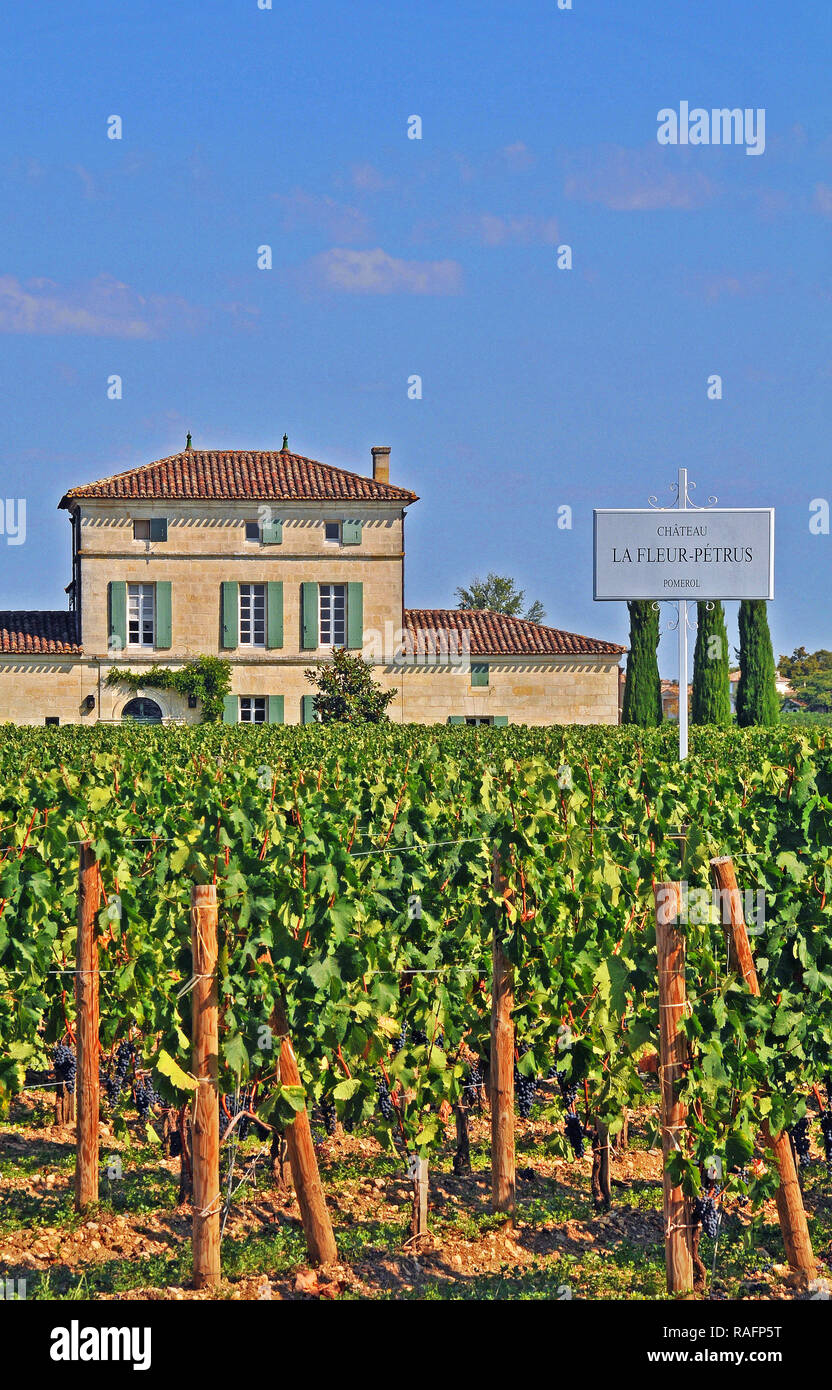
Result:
381,463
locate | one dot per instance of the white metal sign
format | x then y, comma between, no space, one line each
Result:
708,553
680,554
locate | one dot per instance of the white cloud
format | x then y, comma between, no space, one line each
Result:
499,231
375,272
518,156
626,180
338,220
101,308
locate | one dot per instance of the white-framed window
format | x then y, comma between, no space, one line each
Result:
332,532
479,719
141,615
141,530
253,531
252,709
333,615
252,615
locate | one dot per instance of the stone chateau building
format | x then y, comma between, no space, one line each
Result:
272,560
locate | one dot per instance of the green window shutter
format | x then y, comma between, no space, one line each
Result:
274,615
309,617
355,615
163,614
351,532
456,718
275,709
307,709
158,528
230,709
230,608
272,533
500,719
117,618
479,673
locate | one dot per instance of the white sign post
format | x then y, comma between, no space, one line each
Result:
707,554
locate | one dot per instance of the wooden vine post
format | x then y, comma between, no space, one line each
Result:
64,1104
462,1157
205,1126
601,1181
418,1171
317,1227
790,1209
86,1006
501,1067
673,1057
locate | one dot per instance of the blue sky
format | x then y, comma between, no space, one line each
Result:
438,257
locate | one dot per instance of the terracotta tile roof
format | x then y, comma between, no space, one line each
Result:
493,634
237,474
39,634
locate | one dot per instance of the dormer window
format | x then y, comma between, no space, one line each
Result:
153,528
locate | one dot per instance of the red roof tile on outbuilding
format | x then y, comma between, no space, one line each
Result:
493,634
46,633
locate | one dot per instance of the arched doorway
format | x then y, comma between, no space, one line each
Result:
142,711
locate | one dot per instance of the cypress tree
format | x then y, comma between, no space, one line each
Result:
642,687
757,701
711,700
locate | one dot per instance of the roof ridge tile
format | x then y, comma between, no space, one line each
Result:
239,475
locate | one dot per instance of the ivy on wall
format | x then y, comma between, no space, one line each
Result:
207,677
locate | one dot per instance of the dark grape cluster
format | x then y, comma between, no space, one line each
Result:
385,1104
706,1212
65,1064
420,1038
568,1089
144,1097
525,1087
328,1114
114,1081
175,1143
800,1138
573,1127
417,1037
742,1199
472,1087
575,1133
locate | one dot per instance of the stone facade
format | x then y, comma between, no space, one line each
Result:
205,556
565,691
